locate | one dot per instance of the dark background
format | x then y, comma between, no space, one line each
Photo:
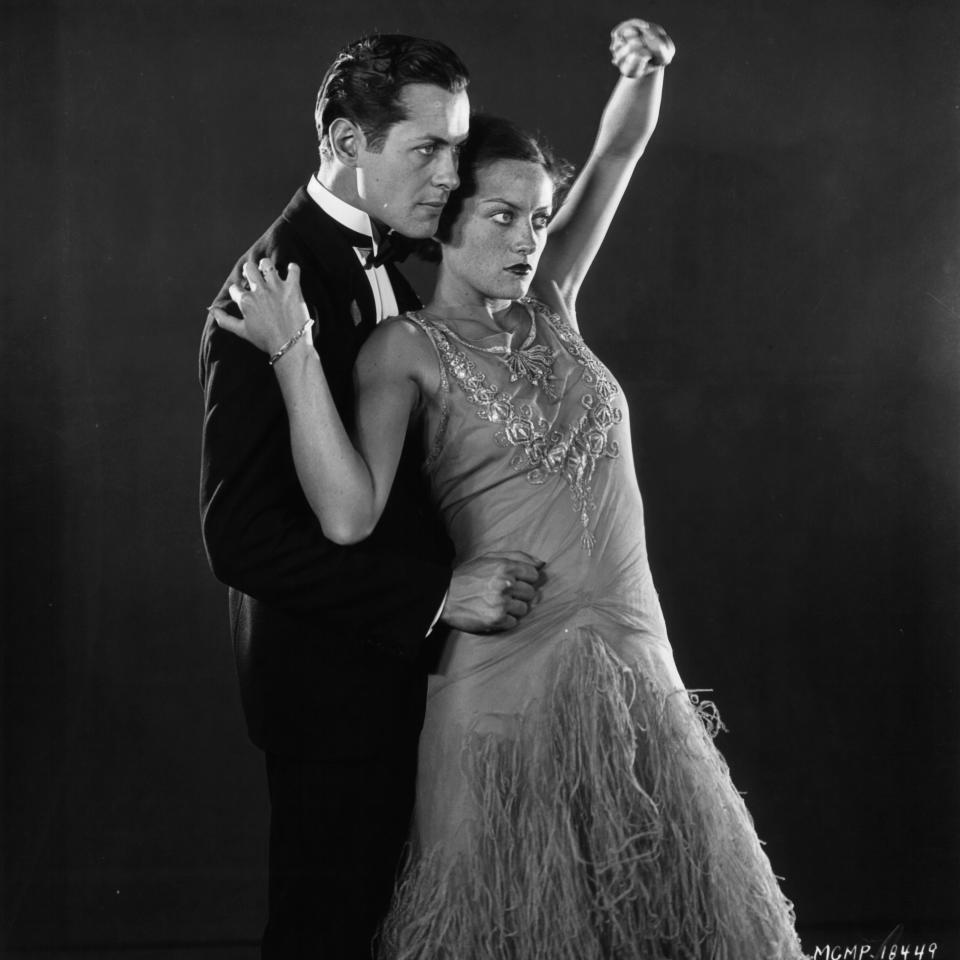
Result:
779,297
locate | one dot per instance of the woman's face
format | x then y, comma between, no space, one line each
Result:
498,237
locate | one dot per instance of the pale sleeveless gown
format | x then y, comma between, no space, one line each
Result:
571,802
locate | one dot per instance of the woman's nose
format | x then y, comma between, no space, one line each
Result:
526,238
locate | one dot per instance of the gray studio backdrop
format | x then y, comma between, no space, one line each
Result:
778,296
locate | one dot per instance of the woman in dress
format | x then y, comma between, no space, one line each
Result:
571,802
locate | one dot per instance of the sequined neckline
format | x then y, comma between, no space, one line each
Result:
530,362
499,350
571,452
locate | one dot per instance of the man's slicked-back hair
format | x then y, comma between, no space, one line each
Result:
364,82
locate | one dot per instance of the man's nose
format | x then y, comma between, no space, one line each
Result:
445,174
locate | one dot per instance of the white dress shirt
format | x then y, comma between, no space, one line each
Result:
357,221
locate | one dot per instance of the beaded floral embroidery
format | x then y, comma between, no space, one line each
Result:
571,451
529,361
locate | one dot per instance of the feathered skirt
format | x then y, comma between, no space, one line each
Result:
597,822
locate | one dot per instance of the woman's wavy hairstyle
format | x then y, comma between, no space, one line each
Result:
491,139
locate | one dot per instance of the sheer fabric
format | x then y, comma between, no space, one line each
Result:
571,802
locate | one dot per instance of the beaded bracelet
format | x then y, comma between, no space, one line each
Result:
290,342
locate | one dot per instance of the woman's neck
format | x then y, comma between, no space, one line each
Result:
452,304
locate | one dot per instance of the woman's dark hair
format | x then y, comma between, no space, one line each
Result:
364,82
492,139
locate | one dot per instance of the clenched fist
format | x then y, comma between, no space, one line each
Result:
638,48
492,593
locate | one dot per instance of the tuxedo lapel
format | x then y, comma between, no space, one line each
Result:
406,298
331,245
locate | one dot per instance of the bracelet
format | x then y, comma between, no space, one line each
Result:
290,342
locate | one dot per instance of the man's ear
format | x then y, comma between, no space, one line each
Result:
346,140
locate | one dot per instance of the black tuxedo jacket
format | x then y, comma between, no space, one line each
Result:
326,637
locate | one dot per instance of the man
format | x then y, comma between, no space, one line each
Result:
329,639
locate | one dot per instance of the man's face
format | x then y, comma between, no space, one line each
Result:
406,183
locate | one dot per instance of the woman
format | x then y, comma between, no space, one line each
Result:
571,802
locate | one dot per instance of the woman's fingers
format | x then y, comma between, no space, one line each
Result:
269,276
633,63
268,271
626,31
293,276
661,46
636,44
237,294
226,322
252,275
628,48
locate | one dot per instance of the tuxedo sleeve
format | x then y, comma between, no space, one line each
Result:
259,532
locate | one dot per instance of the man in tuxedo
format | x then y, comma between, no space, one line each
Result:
330,640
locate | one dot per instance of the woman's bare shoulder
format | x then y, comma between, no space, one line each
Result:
399,347
548,293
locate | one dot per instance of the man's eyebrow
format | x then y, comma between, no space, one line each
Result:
438,139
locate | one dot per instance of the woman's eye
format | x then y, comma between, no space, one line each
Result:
541,222
503,217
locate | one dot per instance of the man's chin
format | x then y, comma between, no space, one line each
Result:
418,225
422,228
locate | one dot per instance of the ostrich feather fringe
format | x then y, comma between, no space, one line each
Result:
608,829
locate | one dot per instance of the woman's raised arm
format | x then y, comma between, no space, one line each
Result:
346,485
641,51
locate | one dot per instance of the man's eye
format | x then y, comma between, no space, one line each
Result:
428,149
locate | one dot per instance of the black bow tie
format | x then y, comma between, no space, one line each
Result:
394,248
